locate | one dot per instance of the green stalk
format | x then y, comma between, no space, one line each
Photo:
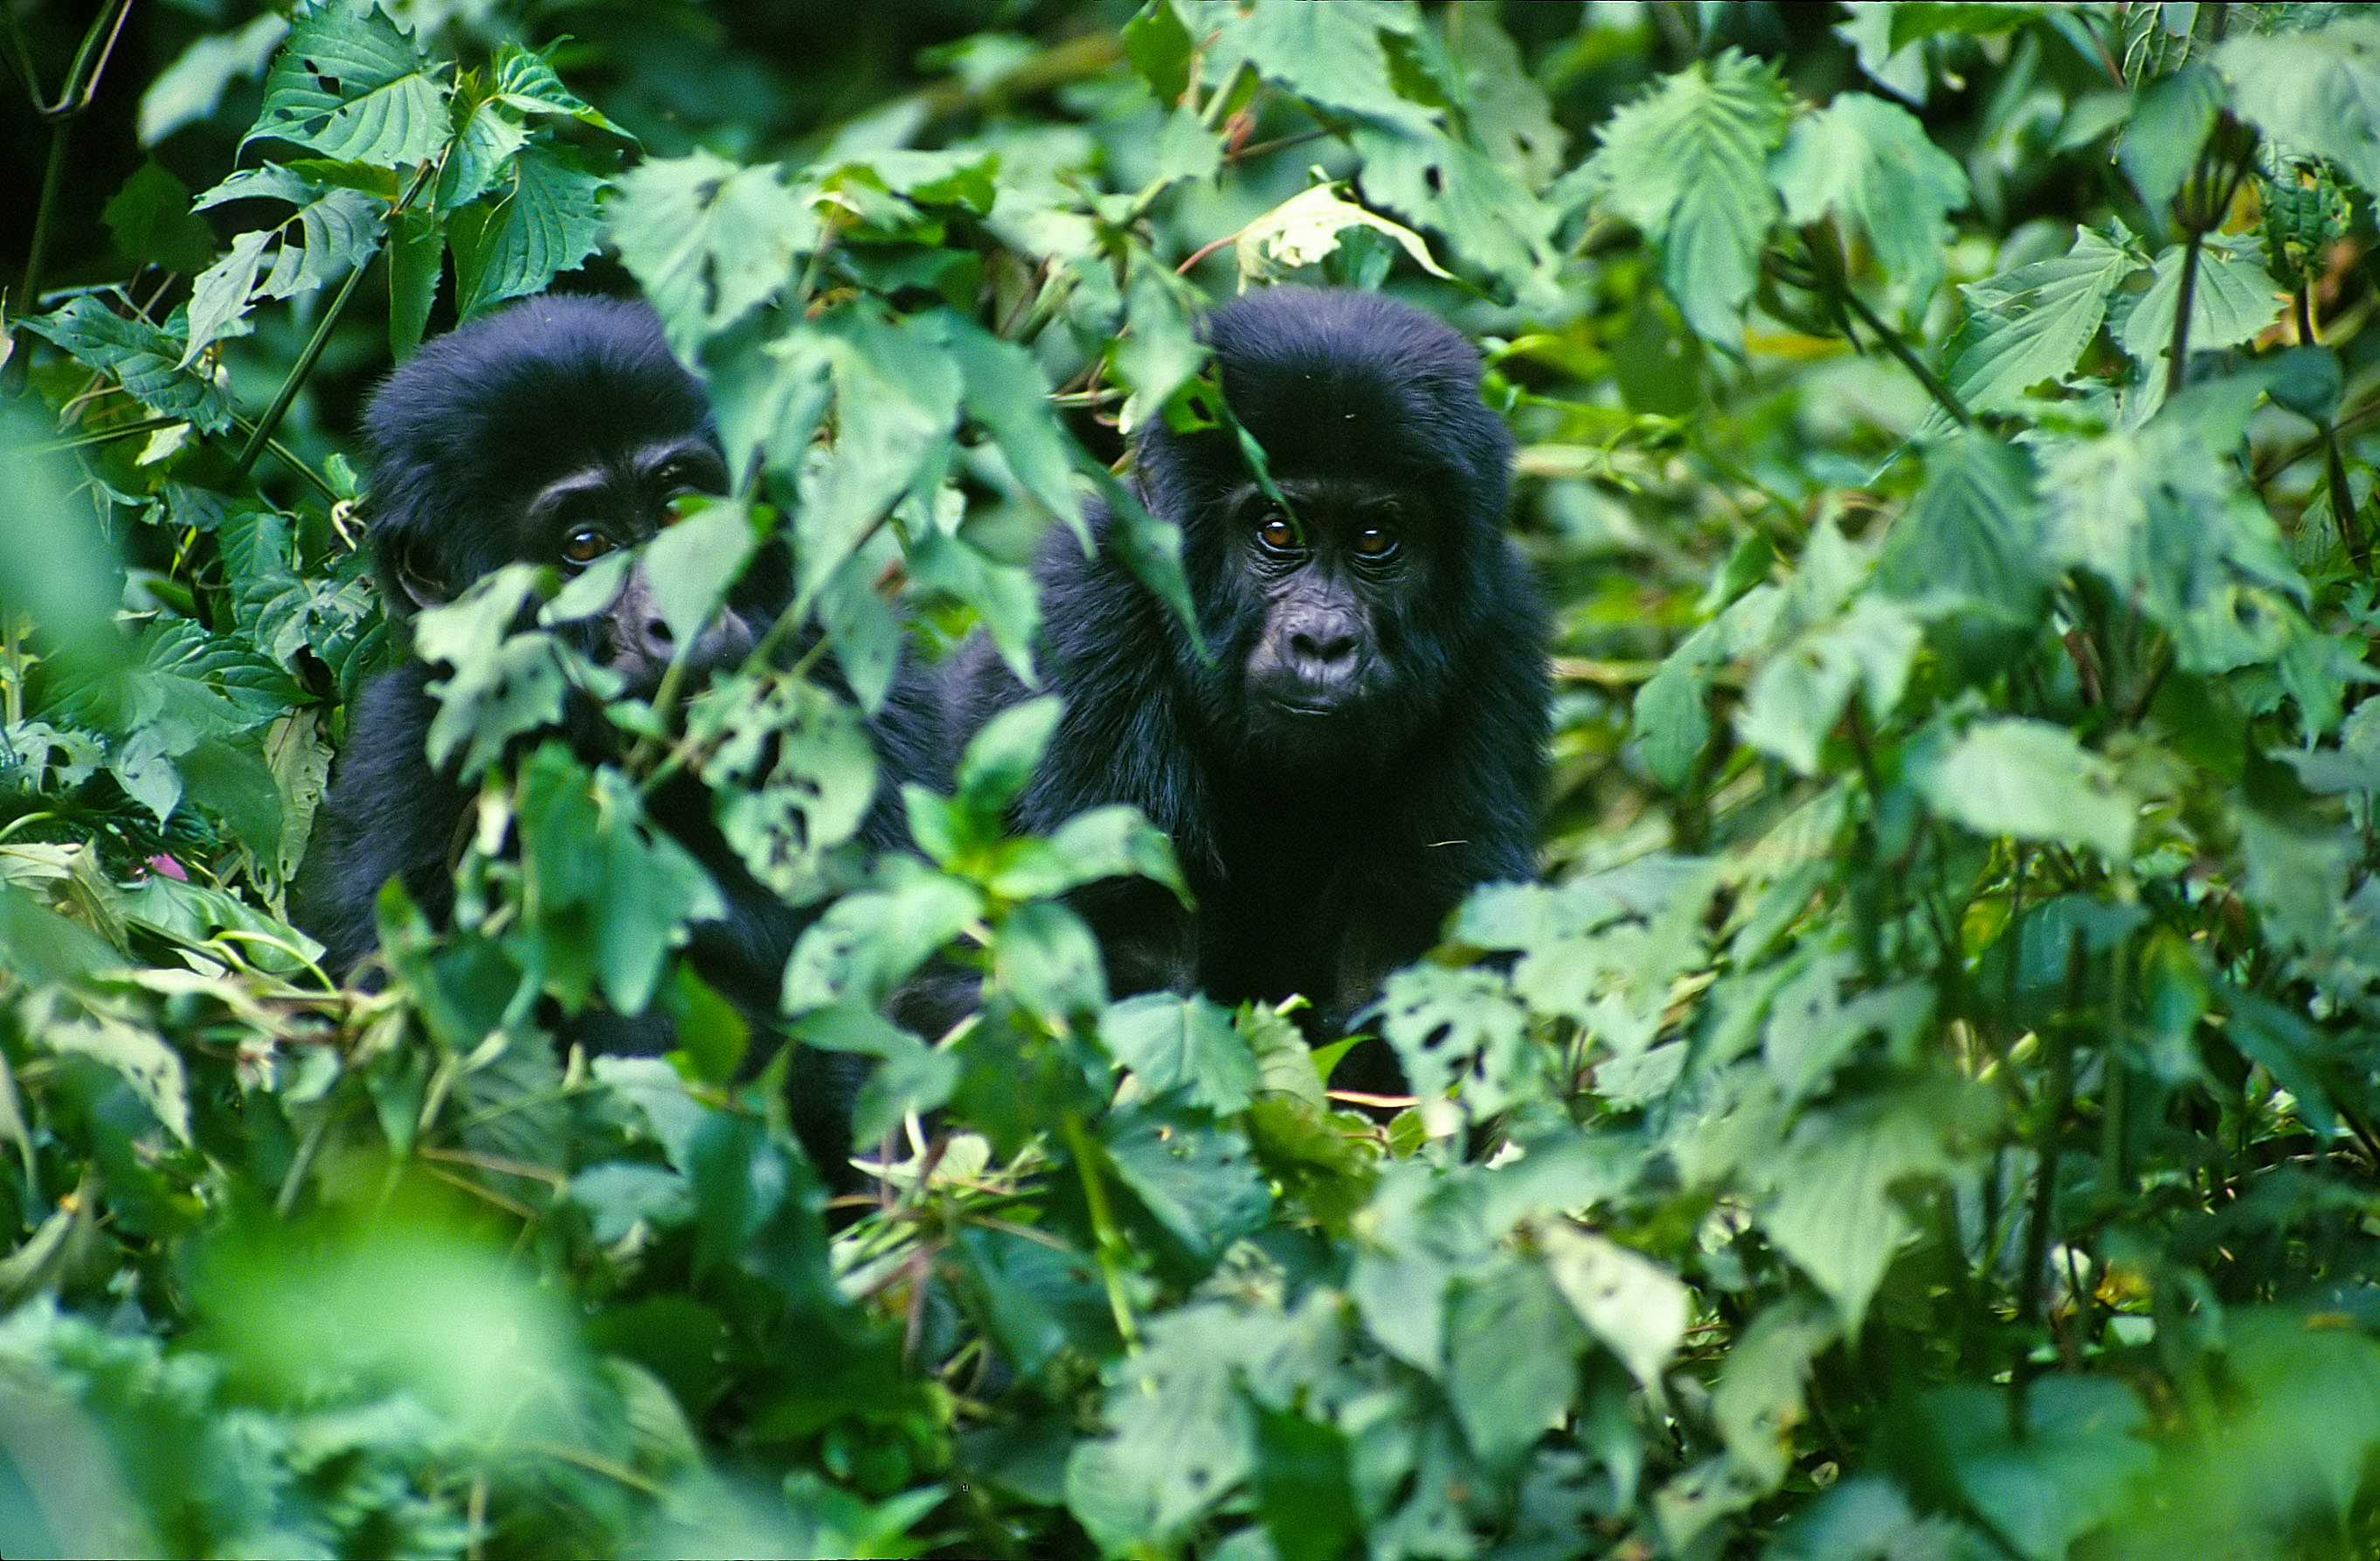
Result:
297,374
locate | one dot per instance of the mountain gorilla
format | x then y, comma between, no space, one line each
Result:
1364,741
554,432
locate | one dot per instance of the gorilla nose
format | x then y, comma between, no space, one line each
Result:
1324,645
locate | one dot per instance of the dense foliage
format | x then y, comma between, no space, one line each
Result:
1927,1107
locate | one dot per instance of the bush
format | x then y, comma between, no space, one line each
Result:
1926,1108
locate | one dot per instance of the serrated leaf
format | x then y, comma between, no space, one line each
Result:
1972,533
485,139
1184,1043
867,943
2031,324
709,239
350,85
606,892
1328,54
526,81
1636,1308
544,223
1687,164
1105,842
1869,163
1511,1351
2030,779
1046,959
1760,1400
1799,694
896,397
149,364
2170,122
1007,393
2316,92
2231,300
1199,1180
1832,1209
790,774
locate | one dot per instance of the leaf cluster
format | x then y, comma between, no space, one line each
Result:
1928,1105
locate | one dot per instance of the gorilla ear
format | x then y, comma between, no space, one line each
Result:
421,586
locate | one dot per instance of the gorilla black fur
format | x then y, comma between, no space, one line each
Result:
554,431
1368,741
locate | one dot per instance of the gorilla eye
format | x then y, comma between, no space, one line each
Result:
1376,543
1276,535
585,544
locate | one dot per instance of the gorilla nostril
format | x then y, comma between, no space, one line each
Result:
1328,647
658,631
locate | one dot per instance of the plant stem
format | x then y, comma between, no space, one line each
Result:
297,374
2174,351
1942,394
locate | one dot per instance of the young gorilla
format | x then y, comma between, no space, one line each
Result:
1368,741
555,432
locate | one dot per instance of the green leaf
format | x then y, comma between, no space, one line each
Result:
1199,1180
1760,1400
1635,1308
791,771
1508,112
501,684
2084,1458
1038,1300
1687,164
1832,1209
1306,1486
2232,299
708,240
1513,1349
485,141
2031,324
897,390
1106,842
1007,393
2170,120
190,90
1328,54
1186,1043
152,223
1158,46
1869,163
1459,1033
543,222
691,565
1479,209
606,892
2316,92
908,1075
1304,229
151,364
2030,779
1672,718
1972,534
620,1194
1046,959
350,85
868,942
1798,696
140,1057
1002,755
526,81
